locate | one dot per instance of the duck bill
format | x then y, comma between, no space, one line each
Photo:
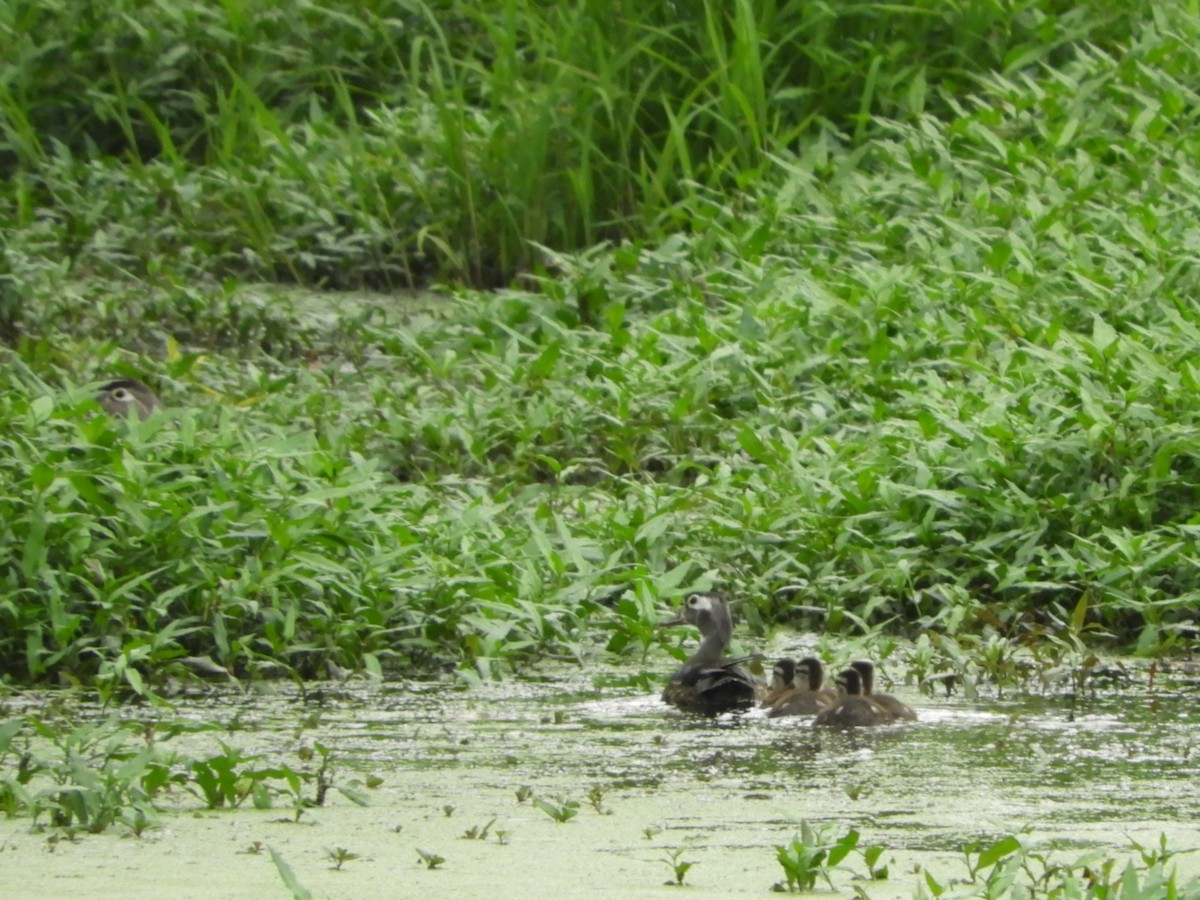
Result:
669,623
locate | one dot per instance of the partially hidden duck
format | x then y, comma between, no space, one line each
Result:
128,397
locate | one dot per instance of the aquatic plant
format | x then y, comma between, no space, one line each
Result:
678,866
979,856
1010,867
479,832
431,860
812,854
558,809
339,856
290,881
872,856
84,777
595,797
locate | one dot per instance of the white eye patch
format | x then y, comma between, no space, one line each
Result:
699,602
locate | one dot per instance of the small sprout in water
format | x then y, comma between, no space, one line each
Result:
871,855
812,854
502,836
398,829
652,831
255,848
1153,857
679,868
524,792
977,856
660,740
478,833
559,812
448,809
596,798
431,860
339,856
373,781
137,820
935,886
857,791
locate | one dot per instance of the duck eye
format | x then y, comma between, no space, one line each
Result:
122,395
693,599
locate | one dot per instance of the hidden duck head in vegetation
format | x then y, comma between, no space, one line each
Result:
126,397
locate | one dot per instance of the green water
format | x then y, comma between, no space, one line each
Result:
1093,771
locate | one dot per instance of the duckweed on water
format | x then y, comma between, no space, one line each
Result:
945,794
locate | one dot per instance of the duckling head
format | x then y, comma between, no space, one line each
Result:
866,672
783,676
849,682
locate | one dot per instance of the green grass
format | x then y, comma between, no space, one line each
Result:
936,378
377,143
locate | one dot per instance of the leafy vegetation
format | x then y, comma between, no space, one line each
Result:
376,142
1012,867
928,369
91,776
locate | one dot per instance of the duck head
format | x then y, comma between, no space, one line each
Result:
127,397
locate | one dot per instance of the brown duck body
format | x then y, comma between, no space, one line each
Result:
808,694
127,397
707,683
897,708
853,710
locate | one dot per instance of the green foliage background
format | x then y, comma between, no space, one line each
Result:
882,316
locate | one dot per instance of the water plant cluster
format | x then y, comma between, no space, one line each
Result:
908,349
87,777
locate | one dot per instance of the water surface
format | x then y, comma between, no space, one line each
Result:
1093,771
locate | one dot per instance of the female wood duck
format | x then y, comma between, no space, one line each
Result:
127,397
897,708
808,695
706,683
853,710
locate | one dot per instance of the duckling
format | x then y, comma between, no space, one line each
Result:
706,683
783,682
897,708
853,709
126,397
809,695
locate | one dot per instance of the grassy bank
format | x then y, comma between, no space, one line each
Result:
378,143
938,381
